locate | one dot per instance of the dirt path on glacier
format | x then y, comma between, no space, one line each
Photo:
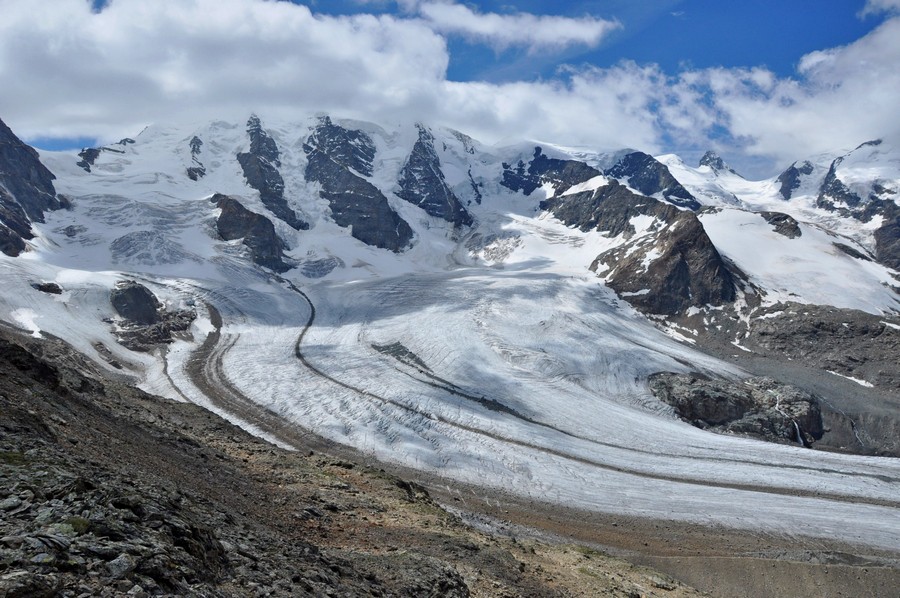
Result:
722,561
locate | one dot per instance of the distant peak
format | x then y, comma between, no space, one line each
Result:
714,161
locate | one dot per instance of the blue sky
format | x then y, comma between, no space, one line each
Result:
764,83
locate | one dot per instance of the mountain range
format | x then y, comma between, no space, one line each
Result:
610,331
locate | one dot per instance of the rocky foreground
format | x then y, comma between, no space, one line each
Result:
108,491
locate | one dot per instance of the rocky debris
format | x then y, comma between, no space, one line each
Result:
716,163
355,202
422,183
649,176
107,491
146,323
260,166
26,192
561,174
47,287
257,232
198,170
850,342
667,270
854,253
790,179
783,224
757,407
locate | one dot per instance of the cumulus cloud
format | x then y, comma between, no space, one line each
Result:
880,6
520,29
69,71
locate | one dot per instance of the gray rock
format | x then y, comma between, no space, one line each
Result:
422,183
649,176
791,178
759,407
783,224
135,302
260,166
355,202
562,174
714,161
121,566
258,233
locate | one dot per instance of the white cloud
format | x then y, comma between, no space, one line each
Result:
520,29
880,6
68,72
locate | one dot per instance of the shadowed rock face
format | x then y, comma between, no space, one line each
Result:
644,173
422,183
759,407
887,237
26,192
350,148
260,166
562,174
136,303
258,233
198,170
790,178
714,161
833,191
671,269
354,201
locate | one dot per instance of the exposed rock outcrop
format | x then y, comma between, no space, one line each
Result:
783,224
260,166
198,170
887,236
355,202
758,407
146,321
89,155
715,162
26,192
422,183
561,174
791,178
649,176
258,233
835,195
669,268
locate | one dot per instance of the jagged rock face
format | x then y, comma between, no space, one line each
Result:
667,271
783,224
887,236
714,161
260,166
89,155
258,233
834,194
354,201
562,174
197,171
790,178
644,173
759,407
136,303
350,148
26,191
422,183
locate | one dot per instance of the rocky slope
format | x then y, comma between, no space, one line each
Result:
108,491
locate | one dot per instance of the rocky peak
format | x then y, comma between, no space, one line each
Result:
790,178
649,176
422,183
355,202
834,194
26,191
667,269
261,144
561,174
260,166
714,161
351,149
